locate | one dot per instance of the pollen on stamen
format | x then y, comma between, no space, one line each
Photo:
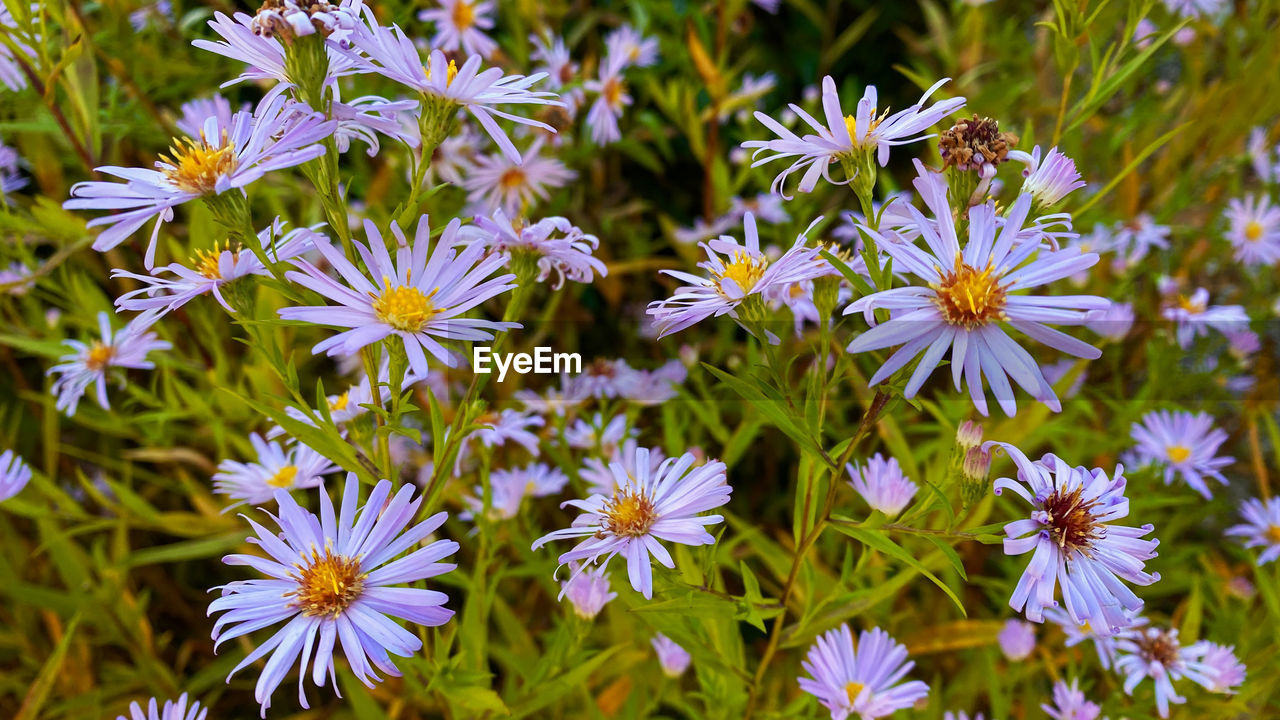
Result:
630,514
195,166
744,270
969,297
328,584
404,307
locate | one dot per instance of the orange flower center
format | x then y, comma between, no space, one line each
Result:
464,16
970,298
1253,231
629,514
1273,533
328,584
196,166
99,356
612,91
512,179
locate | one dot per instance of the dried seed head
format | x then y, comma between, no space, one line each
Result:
971,144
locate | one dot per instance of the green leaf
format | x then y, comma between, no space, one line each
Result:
878,541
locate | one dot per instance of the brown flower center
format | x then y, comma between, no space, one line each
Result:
99,356
1158,647
328,584
512,179
1071,522
969,297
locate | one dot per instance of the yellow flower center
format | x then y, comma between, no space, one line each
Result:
328,584
283,477
512,179
744,270
340,403
464,16
612,91
629,514
452,73
404,308
970,298
853,690
851,124
1185,303
206,262
1273,533
196,166
1178,454
1253,231
99,356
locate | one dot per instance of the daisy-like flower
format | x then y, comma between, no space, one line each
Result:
170,287
334,578
1254,229
1133,240
509,426
421,297
559,246
255,40
1069,703
611,99
171,710
881,483
255,483
587,590
1156,653
554,400
631,47
1104,638
1017,639
499,182
1047,179
461,25
16,279
1075,542
969,295
553,60
88,362
645,509
14,474
1184,444
737,273
444,88
845,136
1264,156
673,658
1228,672
597,434
509,488
1195,316
1261,527
860,680
223,158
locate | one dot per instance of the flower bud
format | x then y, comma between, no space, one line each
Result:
974,473
968,435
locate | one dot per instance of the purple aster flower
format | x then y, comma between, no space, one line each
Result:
1133,240
599,435
333,579
297,468
587,590
860,680
160,11
509,488
352,402
1195,316
445,88
559,246
14,474
223,158
764,206
1017,639
1184,444
631,47
1069,703
844,136
461,25
1264,156
673,658
1075,542
553,60
968,296
1261,527
554,400
742,272
499,182
1254,229
645,509
1104,638
422,296
1156,653
881,483
611,99
170,287
598,474
172,710
1195,8
251,39
89,363
1050,179
196,112
1228,672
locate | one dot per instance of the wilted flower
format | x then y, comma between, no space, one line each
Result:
881,483
644,509
1261,527
88,363
846,135
334,578
461,25
14,474
1017,639
1156,653
171,710
422,296
860,680
673,658
968,296
1182,443
1075,543
297,468
1069,703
